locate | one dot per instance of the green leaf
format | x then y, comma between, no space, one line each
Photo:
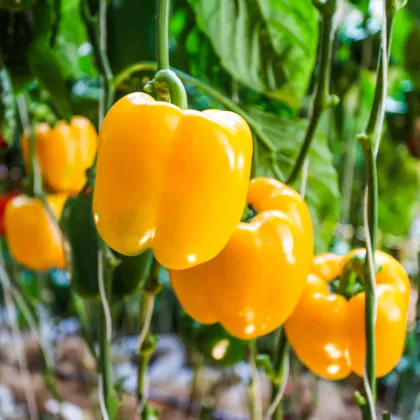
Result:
412,61
403,26
268,45
72,28
7,106
51,74
73,51
322,192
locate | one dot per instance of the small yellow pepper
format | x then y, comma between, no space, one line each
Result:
34,238
64,152
327,331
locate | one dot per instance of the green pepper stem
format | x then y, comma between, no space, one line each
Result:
79,308
166,81
146,343
96,29
166,85
281,370
370,273
370,141
386,415
255,385
213,93
105,271
197,365
163,34
322,98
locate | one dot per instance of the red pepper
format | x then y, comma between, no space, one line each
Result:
4,199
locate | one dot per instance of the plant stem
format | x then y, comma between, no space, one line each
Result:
280,367
377,105
370,140
79,308
370,274
146,343
106,266
255,385
322,98
168,86
30,318
197,365
215,94
96,29
163,34
386,415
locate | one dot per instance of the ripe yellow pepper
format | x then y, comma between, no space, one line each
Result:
254,284
64,152
327,331
34,239
171,180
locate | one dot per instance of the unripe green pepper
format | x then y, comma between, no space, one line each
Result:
213,342
79,228
218,346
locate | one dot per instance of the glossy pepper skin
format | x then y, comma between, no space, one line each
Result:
80,231
34,239
64,152
171,180
254,283
327,332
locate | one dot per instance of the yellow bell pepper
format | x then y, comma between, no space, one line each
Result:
64,153
171,180
34,238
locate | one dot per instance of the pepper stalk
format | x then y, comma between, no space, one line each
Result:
370,141
96,29
322,99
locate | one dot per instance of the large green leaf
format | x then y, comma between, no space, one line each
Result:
268,45
403,26
322,193
73,52
56,67
52,74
